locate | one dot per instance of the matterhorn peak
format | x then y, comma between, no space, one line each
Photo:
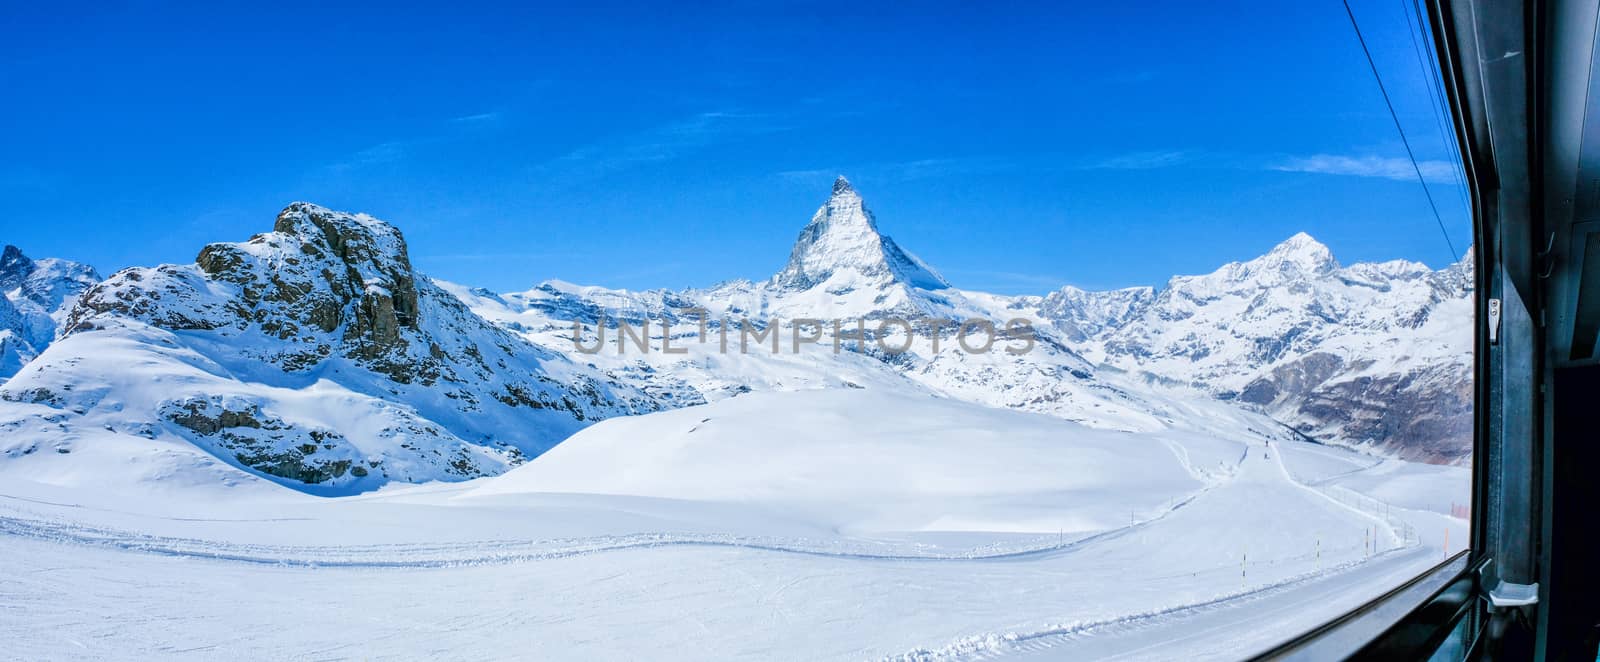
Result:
842,185
842,243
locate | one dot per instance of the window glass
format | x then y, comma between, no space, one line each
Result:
733,330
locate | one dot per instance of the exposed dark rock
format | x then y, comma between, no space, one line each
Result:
333,291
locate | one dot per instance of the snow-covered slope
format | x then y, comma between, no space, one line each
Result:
1375,354
882,460
1118,490
35,296
313,354
766,527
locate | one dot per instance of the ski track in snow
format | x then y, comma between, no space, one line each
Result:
1005,644
996,645
1181,593
1139,633
501,552
1173,582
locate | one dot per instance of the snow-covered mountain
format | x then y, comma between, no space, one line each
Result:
832,487
316,356
35,296
1079,315
313,354
1369,354
843,268
841,262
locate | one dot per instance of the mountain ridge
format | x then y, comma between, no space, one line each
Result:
254,344
314,355
1334,351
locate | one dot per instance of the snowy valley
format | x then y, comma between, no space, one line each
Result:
512,477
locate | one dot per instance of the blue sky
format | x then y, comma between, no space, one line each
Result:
1015,147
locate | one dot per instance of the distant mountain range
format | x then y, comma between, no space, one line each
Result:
1366,354
315,356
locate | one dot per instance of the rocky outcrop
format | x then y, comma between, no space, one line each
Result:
1423,415
264,443
328,300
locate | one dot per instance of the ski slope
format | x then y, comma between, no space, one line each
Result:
804,525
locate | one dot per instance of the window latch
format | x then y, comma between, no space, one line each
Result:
1494,321
1506,595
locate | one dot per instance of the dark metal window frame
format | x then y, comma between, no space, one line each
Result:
1408,622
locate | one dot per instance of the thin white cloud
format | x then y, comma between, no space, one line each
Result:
494,257
900,171
480,117
1143,160
661,143
377,154
1399,169
397,150
1010,278
811,176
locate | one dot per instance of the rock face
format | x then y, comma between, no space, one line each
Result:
35,296
325,308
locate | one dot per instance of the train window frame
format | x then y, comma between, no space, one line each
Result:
1413,620
1523,170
